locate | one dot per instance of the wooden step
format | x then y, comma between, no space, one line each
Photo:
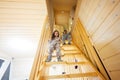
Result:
69,47
71,52
90,74
67,63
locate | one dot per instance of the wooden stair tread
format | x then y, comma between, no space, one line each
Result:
67,63
90,74
68,47
69,54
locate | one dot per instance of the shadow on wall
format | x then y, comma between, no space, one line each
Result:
7,73
1,62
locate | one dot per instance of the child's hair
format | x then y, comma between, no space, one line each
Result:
53,34
65,31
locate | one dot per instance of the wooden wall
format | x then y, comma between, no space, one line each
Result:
39,60
82,41
21,22
101,19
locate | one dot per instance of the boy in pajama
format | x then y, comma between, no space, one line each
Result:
66,36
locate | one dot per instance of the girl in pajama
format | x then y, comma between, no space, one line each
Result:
54,44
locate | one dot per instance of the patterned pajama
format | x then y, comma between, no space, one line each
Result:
54,45
66,37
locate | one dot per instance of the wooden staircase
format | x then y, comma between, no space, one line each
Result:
75,66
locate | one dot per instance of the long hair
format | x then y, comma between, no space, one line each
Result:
53,34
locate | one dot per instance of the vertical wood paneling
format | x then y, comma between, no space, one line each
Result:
109,6
110,49
115,75
105,39
83,10
96,12
112,62
109,22
102,25
92,8
89,48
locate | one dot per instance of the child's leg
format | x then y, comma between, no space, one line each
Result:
58,52
50,51
69,39
63,39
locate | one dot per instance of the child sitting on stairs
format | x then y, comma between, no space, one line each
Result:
66,36
54,44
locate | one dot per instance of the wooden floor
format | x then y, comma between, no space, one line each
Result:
74,66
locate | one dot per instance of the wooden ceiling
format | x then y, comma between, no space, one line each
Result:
62,10
63,5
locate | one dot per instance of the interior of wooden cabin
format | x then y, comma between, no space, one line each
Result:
27,25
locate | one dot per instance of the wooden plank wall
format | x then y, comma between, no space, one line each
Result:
20,21
41,53
80,36
24,19
50,13
101,19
